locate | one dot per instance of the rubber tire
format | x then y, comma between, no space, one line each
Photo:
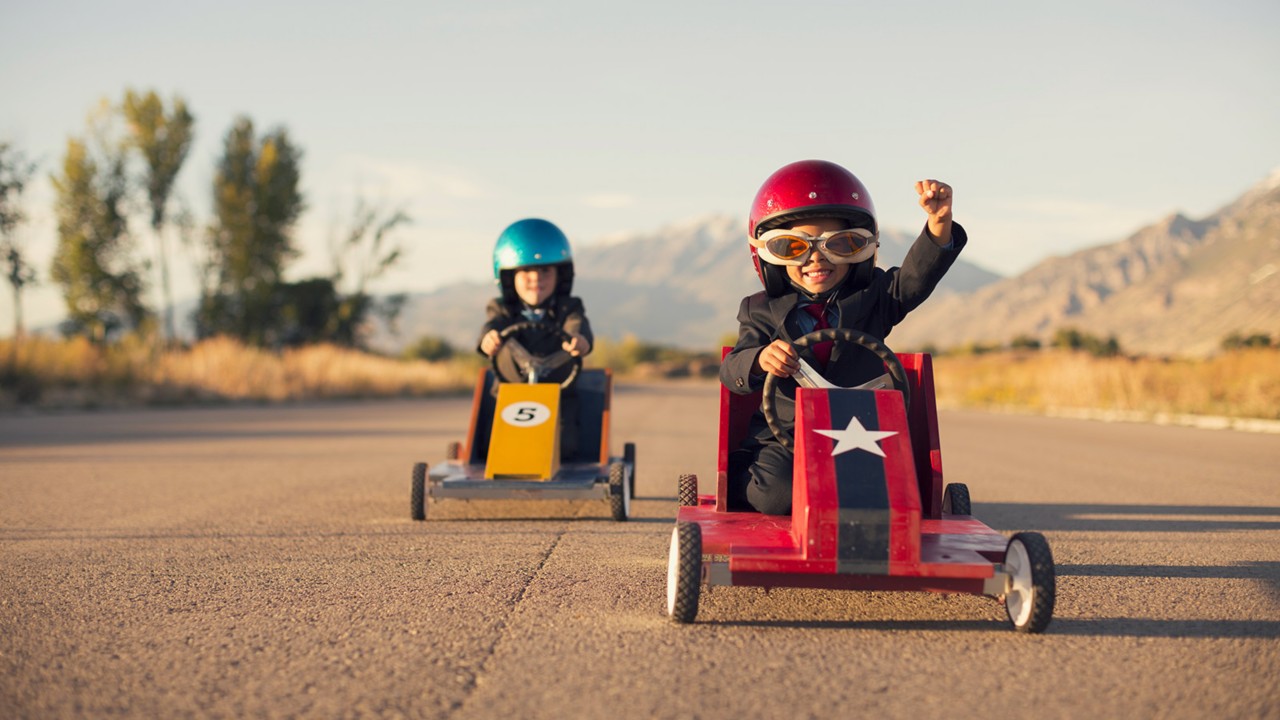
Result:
453,451
687,488
1030,607
955,500
619,492
418,496
684,572
629,456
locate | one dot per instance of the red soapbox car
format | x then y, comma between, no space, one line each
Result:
869,508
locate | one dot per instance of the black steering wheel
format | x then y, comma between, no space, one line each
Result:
892,363
534,367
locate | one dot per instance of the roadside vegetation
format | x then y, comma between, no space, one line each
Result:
1242,381
76,373
1237,384
1081,372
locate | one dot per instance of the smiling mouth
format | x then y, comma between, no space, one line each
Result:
817,275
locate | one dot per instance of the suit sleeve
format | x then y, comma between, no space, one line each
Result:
753,334
921,271
498,319
575,321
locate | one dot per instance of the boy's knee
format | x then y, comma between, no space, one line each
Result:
770,489
771,501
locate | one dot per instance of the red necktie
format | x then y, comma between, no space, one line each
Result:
821,350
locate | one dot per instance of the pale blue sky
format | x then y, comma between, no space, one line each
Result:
1060,125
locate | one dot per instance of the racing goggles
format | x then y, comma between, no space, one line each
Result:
791,247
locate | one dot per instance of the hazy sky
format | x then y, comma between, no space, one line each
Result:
1061,125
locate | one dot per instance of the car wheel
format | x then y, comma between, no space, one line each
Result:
418,496
619,491
1029,595
684,572
688,490
955,500
629,456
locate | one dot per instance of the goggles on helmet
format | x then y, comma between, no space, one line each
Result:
791,247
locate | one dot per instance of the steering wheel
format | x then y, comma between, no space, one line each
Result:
892,363
531,366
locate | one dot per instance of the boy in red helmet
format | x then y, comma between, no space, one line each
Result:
813,238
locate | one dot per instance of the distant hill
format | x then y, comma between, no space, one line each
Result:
1176,287
680,285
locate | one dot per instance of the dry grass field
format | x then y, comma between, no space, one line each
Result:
1237,384
74,373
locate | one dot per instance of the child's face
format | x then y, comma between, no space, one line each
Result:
818,274
535,284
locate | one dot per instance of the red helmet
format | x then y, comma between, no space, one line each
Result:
805,189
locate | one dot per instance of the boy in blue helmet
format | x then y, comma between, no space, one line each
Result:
533,267
813,237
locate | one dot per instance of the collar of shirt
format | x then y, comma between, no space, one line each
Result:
533,314
808,322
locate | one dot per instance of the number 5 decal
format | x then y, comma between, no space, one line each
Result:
526,414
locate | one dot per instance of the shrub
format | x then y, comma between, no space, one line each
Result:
1024,342
1239,341
634,355
430,348
1069,338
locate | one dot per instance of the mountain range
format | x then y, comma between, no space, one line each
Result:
1174,287
679,285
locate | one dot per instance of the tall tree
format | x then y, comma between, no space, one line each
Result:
256,201
163,139
15,172
101,283
364,254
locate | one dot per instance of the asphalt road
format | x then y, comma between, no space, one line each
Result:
260,562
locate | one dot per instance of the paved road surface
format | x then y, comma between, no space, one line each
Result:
259,562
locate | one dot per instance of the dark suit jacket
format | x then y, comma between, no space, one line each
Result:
873,309
565,311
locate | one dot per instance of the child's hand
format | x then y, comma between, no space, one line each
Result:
935,198
490,343
577,346
778,358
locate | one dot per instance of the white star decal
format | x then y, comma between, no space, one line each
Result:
856,437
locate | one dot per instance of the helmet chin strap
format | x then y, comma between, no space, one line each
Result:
822,297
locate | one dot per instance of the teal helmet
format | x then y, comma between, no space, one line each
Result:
531,242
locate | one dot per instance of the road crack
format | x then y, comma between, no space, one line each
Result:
469,689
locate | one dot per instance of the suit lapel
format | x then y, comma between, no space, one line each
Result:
851,310
779,309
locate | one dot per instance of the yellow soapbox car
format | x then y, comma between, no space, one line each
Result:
514,445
